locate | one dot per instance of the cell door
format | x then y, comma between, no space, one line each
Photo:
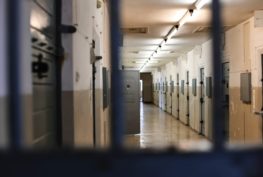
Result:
131,93
187,99
202,101
166,96
171,95
44,68
225,67
178,95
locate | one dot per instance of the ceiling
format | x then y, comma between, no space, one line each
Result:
159,16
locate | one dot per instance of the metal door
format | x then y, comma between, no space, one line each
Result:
171,95
187,99
178,95
202,101
225,67
131,92
166,96
44,68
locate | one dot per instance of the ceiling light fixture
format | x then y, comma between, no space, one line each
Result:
172,33
185,18
200,3
189,13
162,44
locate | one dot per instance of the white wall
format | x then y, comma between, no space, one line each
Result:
244,46
243,49
192,61
90,22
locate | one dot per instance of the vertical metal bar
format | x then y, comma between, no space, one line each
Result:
14,60
218,119
60,55
116,77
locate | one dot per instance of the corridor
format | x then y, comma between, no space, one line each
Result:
160,130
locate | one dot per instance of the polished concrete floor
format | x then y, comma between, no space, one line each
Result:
160,130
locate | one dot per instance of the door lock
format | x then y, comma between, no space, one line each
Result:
39,67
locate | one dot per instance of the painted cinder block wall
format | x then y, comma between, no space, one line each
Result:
243,49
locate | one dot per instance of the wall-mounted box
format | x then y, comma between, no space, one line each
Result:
182,87
245,87
194,87
209,87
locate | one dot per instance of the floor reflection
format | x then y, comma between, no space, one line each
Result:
160,130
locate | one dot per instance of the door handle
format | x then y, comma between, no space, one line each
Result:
260,113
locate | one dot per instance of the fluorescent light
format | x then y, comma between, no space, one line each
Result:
158,50
143,67
171,33
184,19
200,3
162,44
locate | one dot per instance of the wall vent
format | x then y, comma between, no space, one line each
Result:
139,30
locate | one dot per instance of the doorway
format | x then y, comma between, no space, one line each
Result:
225,67
141,89
202,101
171,94
187,99
178,95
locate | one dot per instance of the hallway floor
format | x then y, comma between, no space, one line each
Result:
160,130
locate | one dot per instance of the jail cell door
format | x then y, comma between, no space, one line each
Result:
202,101
43,32
225,67
187,99
131,93
178,95
165,95
171,95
